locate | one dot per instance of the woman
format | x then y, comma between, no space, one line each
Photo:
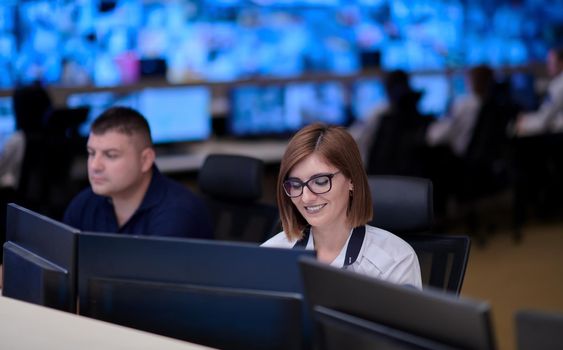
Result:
325,204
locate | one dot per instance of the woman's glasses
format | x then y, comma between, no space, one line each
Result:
318,184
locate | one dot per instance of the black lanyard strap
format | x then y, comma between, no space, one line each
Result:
354,244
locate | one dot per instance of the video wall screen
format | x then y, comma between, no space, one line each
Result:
175,114
368,96
116,42
7,120
436,93
279,110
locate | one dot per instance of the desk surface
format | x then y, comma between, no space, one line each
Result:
270,151
267,150
28,326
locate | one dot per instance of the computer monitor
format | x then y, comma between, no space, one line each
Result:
431,315
175,114
316,102
459,83
98,102
7,120
39,260
280,110
258,111
367,96
220,294
339,330
436,93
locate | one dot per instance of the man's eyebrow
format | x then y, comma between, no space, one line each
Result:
103,149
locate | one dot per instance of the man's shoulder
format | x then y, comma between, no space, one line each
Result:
86,196
177,191
87,200
83,208
174,196
172,183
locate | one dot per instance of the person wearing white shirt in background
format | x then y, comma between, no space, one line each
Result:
449,138
549,117
456,128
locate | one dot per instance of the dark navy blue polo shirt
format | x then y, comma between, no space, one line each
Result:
168,209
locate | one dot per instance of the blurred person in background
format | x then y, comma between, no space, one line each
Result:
549,117
32,105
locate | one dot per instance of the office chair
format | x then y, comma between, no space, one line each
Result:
539,330
403,206
443,259
232,185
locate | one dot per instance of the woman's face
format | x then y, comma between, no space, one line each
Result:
326,210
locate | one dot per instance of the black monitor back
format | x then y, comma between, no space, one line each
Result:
39,260
221,294
432,315
338,330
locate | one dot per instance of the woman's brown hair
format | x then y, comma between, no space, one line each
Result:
335,145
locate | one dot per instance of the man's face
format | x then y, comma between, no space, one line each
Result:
116,163
554,66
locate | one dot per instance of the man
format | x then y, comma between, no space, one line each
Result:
128,194
549,117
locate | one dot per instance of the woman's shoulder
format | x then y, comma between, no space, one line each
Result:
280,240
387,241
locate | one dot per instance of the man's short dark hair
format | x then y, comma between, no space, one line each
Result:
124,120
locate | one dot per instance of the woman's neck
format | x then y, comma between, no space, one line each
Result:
329,242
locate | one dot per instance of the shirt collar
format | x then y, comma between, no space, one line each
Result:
155,191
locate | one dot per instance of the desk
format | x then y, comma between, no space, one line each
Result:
27,326
191,159
270,151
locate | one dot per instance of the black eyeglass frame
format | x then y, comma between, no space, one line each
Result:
306,183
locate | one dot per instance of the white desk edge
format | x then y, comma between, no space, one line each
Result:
25,326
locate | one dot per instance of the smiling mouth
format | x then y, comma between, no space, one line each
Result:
312,209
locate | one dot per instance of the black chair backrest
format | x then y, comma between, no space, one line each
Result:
539,330
443,259
232,185
233,178
401,204
398,145
45,183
